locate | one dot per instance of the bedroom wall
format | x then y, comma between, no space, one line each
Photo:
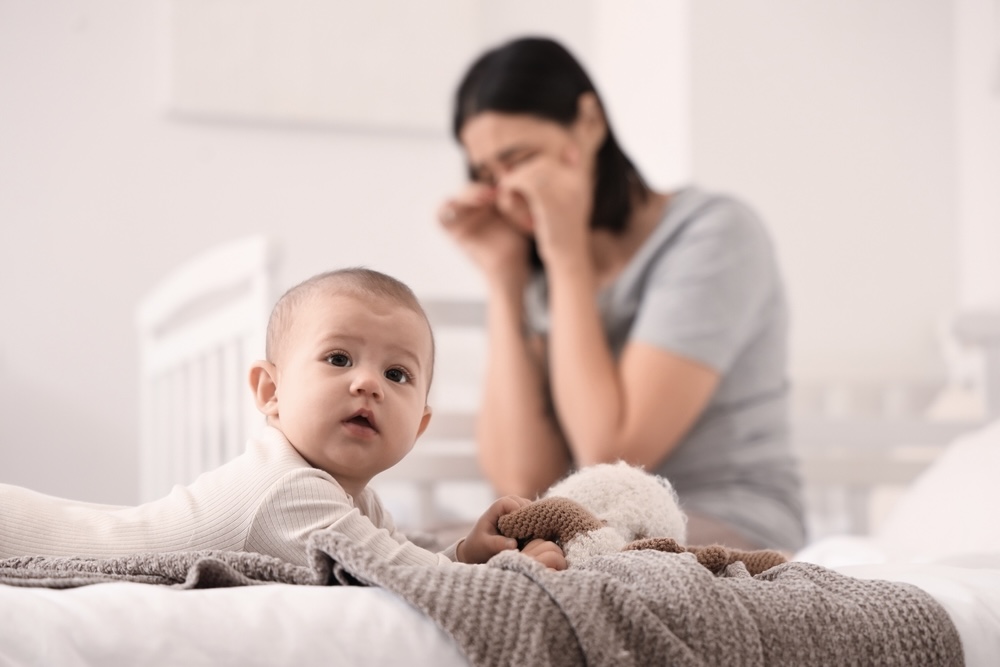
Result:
837,121
977,104
833,118
101,193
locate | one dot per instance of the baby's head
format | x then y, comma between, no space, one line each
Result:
361,283
350,358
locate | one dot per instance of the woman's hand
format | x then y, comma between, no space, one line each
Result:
557,193
485,541
498,248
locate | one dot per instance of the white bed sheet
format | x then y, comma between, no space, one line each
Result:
131,624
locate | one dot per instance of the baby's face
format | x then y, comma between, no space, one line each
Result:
351,383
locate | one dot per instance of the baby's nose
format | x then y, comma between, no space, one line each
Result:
366,382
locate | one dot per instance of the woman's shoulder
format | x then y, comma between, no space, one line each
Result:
699,211
714,239
703,226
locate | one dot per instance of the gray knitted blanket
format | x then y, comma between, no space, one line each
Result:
630,608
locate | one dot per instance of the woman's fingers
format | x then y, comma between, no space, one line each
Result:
475,198
537,186
571,155
454,211
527,179
555,193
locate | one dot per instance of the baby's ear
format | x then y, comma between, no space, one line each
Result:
424,421
264,387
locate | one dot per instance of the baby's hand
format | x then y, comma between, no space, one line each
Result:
485,541
547,553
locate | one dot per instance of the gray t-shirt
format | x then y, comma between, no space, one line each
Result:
705,285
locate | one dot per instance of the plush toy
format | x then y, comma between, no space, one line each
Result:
614,507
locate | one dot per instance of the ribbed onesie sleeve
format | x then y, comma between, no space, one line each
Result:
306,500
268,500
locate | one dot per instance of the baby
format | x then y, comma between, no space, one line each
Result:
344,388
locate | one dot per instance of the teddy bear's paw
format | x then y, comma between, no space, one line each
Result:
759,561
715,557
667,544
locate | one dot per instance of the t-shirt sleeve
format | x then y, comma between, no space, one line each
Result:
710,287
304,501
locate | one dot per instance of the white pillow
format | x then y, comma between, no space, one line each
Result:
952,508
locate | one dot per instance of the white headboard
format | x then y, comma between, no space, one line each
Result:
199,328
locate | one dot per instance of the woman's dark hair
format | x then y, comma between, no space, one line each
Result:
539,77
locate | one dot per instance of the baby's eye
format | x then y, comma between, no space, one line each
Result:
398,375
338,359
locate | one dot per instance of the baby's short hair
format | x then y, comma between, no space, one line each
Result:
357,280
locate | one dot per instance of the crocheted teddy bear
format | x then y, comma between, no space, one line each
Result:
614,507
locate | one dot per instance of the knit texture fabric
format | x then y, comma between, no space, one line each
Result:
630,608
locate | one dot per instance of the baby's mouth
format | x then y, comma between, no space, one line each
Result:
362,419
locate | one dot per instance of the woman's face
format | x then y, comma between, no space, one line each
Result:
498,144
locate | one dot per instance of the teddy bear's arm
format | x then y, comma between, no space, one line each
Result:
667,544
714,557
757,561
555,519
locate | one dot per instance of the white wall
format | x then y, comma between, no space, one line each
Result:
101,193
977,103
835,119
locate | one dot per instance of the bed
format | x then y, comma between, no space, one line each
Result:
939,534
133,624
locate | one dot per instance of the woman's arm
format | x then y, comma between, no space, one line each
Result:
637,408
521,449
